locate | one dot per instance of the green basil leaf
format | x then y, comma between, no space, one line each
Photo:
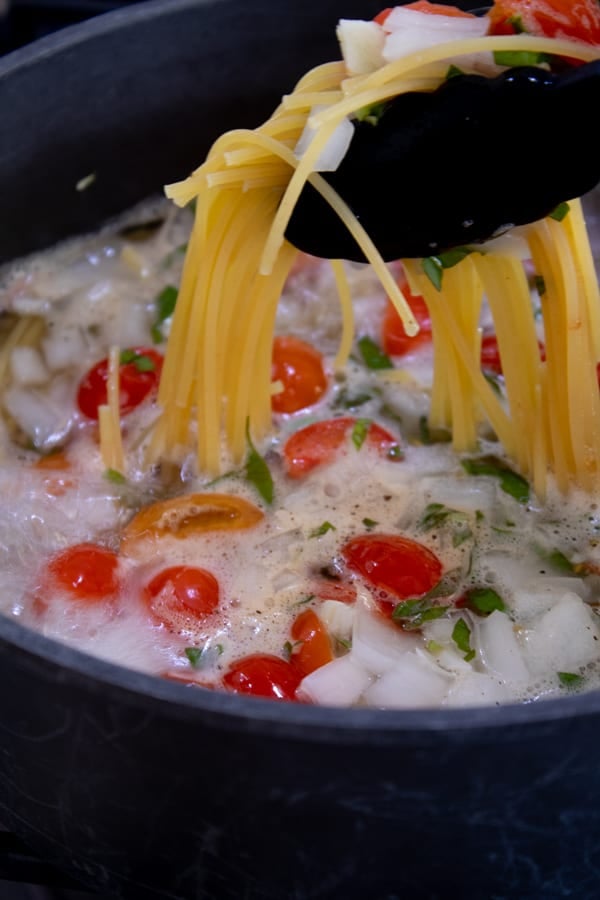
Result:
484,601
433,268
372,113
429,435
322,529
360,430
570,679
257,472
114,476
165,306
461,635
453,257
512,58
194,654
372,355
453,71
370,523
510,482
141,361
560,211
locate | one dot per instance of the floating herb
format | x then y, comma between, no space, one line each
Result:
570,679
256,471
114,476
433,266
360,430
165,306
370,523
431,435
461,635
346,401
372,355
413,613
560,211
322,529
484,601
512,58
558,561
510,482
194,654
437,515
141,361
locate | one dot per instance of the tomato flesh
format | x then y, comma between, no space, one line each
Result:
320,443
574,19
181,595
263,675
137,379
436,9
394,564
87,572
300,369
394,339
313,647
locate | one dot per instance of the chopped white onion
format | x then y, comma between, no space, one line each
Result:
564,639
413,683
499,649
338,617
339,683
411,30
27,366
361,43
335,148
476,689
538,595
377,644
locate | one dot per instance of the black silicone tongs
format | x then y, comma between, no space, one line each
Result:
460,165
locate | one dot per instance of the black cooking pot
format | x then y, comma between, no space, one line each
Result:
149,789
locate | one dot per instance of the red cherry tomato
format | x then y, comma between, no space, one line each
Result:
137,379
182,596
436,9
575,19
490,354
86,571
320,443
394,339
334,590
393,564
263,675
300,369
313,648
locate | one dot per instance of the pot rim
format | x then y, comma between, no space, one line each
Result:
231,710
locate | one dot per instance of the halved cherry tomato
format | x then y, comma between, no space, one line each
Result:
190,514
334,590
320,443
313,647
263,675
575,19
182,596
394,339
394,564
436,9
490,354
86,571
138,377
300,369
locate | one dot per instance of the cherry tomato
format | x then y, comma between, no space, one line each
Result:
393,564
394,339
263,675
313,647
320,443
300,369
139,375
490,354
86,571
574,19
436,9
181,596
334,590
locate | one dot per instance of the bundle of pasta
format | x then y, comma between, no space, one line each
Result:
217,372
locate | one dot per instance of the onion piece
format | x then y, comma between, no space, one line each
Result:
477,689
361,44
335,148
339,683
499,649
413,683
377,644
564,639
410,31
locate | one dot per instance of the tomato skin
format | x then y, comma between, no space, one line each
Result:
182,589
263,675
490,354
300,369
394,564
334,590
134,385
314,647
394,339
320,443
436,9
88,572
574,19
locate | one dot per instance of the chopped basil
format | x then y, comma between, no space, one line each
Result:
517,24
360,430
200,656
433,266
510,482
114,476
493,381
371,113
461,635
256,471
413,613
484,601
560,211
165,306
345,401
558,561
433,647
288,648
370,523
540,285
570,679
372,355
431,435
453,71
344,643
512,58
194,654
304,601
322,529
437,515
141,361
